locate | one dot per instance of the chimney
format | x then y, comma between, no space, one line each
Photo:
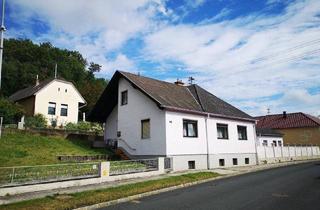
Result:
179,82
37,80
284,114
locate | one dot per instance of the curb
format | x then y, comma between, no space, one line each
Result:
155,192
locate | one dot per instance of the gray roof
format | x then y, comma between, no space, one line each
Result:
29,91
191,99
32,90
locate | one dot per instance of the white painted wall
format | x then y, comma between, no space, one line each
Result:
269,140
111,126
286,153
179,145
51,93
140,107
184,149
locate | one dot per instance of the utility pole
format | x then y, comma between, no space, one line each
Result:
2,30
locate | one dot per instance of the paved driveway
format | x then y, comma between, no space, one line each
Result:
287,188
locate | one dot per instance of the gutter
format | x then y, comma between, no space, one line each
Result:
188,111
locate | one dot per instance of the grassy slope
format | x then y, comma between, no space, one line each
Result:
75,200
26,149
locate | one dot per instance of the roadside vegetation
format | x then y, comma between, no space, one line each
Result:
20,148
76,200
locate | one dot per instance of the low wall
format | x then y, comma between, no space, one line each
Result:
104,177
271,154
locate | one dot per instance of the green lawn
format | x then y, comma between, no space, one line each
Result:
75,200
19,149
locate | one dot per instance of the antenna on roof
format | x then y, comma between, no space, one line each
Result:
55,71
268,110
191,79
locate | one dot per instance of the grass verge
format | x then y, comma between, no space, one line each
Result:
76,200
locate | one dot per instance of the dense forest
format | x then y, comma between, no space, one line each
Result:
23,60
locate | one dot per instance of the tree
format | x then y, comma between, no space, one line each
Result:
10,112
23,60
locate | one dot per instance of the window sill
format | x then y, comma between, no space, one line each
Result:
243,139
222,139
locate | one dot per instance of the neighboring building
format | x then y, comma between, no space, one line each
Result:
298,128
151,118
58,100
269,137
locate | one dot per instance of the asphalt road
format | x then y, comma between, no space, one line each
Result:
287,188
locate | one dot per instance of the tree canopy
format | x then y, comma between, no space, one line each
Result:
23,60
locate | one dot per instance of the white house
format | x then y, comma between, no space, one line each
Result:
58,100
269,137
151,118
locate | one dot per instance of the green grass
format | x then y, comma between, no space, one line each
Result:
71,201
19,149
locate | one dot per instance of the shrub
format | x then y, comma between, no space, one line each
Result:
84,126
10,111
36,121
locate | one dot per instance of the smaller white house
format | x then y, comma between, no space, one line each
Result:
269,137
58,100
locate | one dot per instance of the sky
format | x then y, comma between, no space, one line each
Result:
254,54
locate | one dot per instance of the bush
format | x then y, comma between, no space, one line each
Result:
10,111
36,121
84,126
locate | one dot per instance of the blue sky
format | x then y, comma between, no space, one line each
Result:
254,54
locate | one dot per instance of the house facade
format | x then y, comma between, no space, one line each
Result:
58,100
297,128
151,118
269,137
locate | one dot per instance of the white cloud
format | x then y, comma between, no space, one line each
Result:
93,27
249,57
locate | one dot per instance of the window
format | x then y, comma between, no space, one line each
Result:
246,161
59,89
222,130
190,128
265,143
52,108
280,143
66,90
221,162
191,164
242,132
64,110
124,97
145,129
274,143
235,161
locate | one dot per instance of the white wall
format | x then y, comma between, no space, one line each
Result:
140,107
286,153
269,140
50,93
179,145
111,126
184,149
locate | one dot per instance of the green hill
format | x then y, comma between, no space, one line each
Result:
17,149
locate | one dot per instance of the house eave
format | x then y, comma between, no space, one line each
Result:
187,111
